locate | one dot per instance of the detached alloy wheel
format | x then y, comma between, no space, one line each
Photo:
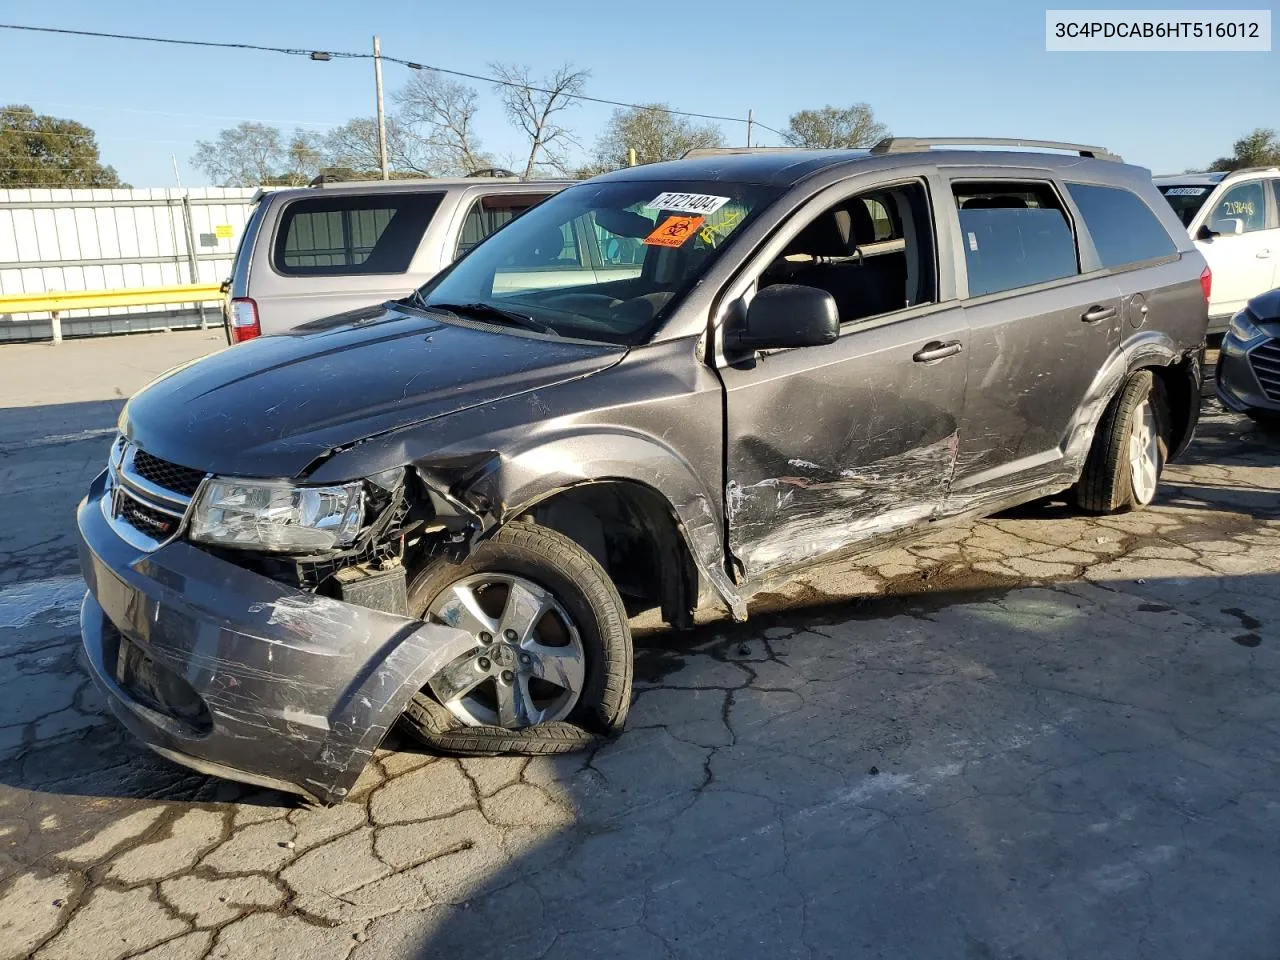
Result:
550,667
1129,449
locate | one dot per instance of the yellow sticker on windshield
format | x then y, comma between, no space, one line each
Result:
674,231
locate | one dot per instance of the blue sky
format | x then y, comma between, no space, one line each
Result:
927,68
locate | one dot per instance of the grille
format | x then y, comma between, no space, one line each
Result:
170,476
1265,360
154,523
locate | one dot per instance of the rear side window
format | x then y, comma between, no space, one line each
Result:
1123,228
350,236
489,213
1014,235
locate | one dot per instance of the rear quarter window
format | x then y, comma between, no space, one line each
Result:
489,213
1014,235
351,236
1123,227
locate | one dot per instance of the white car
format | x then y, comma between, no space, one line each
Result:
1234,219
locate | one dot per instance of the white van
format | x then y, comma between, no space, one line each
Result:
315,251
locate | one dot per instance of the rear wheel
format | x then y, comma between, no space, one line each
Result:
550,668
1129,449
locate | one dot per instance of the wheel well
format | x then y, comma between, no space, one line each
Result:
1178,386
632,533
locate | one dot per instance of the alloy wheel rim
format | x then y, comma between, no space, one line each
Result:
526,664
1144,454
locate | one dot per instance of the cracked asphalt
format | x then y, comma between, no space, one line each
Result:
1038,736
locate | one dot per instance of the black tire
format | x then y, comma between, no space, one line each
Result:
1106,484
559,565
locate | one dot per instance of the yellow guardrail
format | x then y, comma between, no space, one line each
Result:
53,301
57,301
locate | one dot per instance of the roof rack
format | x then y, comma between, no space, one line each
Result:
918,144
721,151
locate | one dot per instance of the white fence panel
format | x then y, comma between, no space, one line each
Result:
116,239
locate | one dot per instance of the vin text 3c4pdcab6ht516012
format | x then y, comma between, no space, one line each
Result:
443,510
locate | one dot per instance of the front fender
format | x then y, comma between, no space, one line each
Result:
513,483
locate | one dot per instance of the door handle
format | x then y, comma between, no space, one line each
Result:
1098,314
937,350
1263,254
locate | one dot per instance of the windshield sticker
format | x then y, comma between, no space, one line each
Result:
674,231
703,203
1185,191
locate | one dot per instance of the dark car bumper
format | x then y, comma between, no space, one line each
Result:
237,675
1248,377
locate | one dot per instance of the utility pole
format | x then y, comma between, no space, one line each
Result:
749,121
382,119
176,176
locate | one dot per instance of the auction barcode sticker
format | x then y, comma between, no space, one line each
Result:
703,203
1158,30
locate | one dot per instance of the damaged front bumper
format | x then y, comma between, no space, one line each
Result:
234,674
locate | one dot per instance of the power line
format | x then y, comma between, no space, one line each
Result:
411,64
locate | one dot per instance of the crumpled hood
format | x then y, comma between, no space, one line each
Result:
270,407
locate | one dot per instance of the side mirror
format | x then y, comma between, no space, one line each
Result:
1230,227
787,315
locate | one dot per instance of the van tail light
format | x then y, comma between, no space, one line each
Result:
244,320
1206,284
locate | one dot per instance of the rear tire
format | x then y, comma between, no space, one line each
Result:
526,553
1129,449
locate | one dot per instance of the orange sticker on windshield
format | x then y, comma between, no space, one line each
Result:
674,231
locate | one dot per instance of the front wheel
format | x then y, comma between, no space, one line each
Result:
551,664
1129,449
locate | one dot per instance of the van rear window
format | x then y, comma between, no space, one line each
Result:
348,236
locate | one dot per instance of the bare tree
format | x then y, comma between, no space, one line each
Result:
354,146
243,156
253,154
654,133
835,127
437,116
304,157
535,107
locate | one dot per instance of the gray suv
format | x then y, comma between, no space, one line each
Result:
442,511
313,251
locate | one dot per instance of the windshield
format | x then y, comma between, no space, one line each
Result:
600,261
1186,199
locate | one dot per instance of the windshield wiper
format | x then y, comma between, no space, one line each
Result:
487,311
415,299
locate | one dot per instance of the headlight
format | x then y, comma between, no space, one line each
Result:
1242,328
276,515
